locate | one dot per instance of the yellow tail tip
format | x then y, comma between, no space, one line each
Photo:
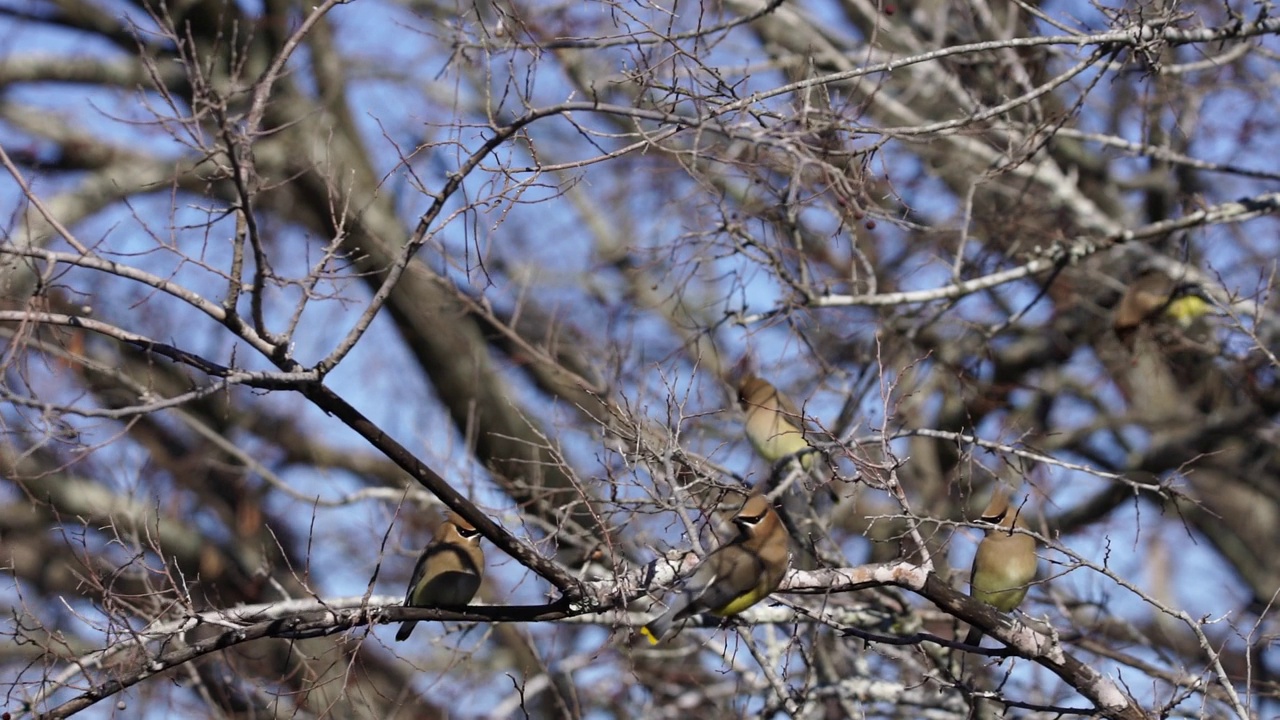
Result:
1188,309
648,635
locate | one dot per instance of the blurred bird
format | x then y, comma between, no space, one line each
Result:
1153,294
1167,368
773,422
448,572
735,576
1005,563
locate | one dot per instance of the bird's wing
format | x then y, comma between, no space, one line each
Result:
791,412
737,572
439,559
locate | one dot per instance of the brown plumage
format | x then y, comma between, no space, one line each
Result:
1005,563
449,570
735,576
773,421
1165,368
775,428
1152,295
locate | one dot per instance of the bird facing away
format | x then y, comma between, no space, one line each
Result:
735,576
1167,372
1153,294
1005,563
448,572
773,422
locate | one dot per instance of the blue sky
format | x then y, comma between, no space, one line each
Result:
541,242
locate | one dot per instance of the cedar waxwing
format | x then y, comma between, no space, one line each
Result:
773,422
1005,563
735,576
1153,294
448,571
773,427
1167,371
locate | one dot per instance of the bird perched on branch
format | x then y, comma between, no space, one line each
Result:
1152,295
448,572
1005,563
1166,368
774,427
774,424
735,576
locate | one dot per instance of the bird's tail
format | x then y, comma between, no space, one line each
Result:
655,629
1187,309
406,628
